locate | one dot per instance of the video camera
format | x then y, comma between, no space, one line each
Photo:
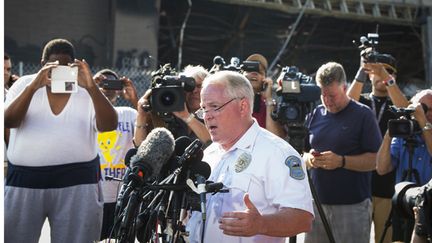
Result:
372,55
296,94
405,126
168,90
247,66
407,195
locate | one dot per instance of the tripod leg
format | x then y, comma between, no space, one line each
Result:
387,225
321,211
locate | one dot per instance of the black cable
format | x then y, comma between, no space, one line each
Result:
203,229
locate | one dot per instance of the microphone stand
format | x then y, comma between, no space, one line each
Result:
127,206
167,184
179,224
407,175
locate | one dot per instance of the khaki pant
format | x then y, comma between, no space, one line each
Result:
381,210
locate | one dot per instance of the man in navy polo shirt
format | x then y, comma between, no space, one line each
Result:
343,140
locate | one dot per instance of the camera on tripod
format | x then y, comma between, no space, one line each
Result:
219,64
296,93
405,126
408,195
168,90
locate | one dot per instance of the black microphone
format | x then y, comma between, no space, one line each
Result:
181,144
191,150
200,168
214,186
153,153
201,183
131,152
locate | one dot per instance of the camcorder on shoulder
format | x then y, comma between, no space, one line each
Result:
405,126
219,64
168,90
408,195
296,93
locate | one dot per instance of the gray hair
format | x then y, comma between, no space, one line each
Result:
236,85
329,73
195,72
422,93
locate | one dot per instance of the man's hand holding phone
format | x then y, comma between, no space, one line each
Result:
316,153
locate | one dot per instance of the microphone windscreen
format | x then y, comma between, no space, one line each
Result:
202,168
154,151
131,152
181,144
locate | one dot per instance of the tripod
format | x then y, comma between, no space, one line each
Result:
297,135
408,175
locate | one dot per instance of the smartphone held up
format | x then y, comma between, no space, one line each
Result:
64,79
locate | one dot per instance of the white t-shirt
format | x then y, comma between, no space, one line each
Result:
45,139
113,147
264,166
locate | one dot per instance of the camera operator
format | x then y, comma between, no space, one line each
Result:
343,140
263,103
186,123
385,93
113,145
394,155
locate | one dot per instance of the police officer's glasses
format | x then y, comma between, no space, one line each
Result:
200,112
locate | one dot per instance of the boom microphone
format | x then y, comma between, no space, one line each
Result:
153,153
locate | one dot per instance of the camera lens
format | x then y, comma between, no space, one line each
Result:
291,112
167,98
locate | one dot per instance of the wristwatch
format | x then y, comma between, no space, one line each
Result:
270,102
189,119
427,127
390,82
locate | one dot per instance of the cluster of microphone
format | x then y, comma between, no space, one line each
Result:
159,188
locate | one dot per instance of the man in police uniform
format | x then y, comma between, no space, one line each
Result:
269,196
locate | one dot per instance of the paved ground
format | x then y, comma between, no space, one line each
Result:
45,238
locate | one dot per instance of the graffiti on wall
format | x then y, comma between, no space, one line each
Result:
134,59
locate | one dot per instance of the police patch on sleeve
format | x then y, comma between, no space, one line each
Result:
296,170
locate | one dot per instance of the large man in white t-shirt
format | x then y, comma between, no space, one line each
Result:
54,168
